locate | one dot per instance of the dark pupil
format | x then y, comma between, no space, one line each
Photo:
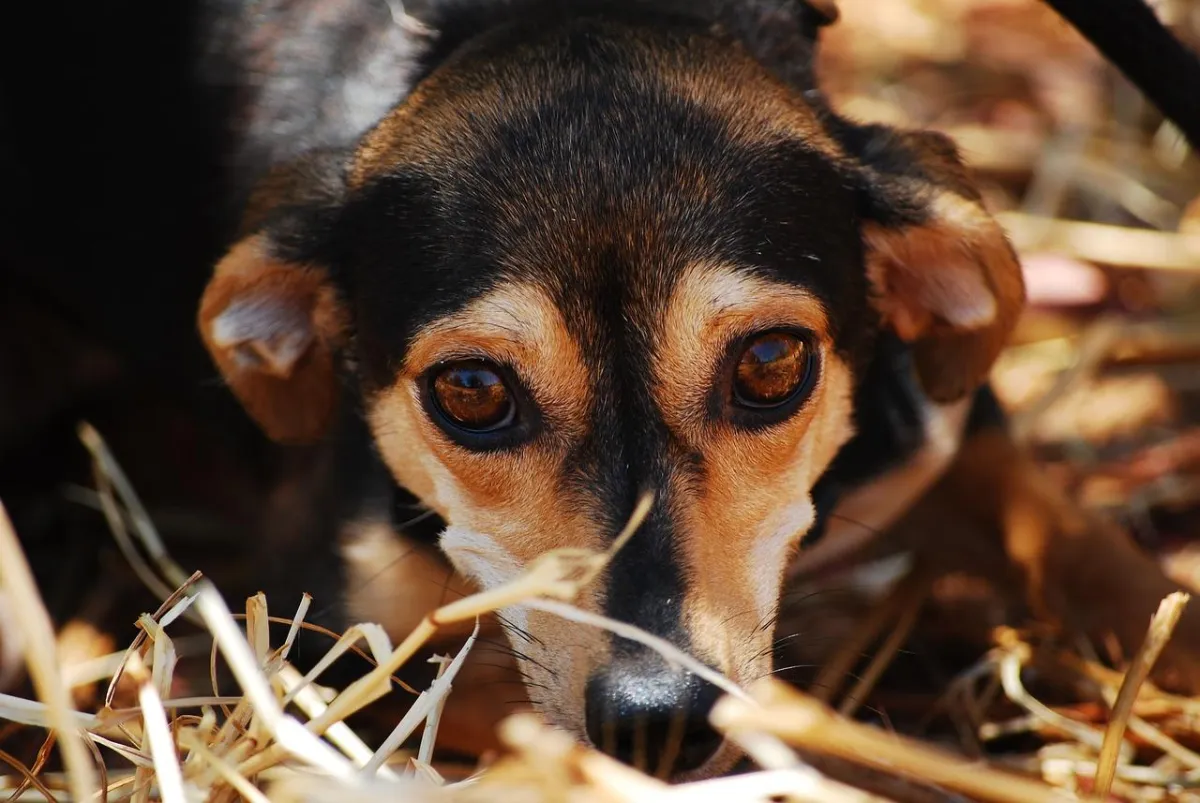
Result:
771,369
473,396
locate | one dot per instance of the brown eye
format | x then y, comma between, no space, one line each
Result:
771,370
473,396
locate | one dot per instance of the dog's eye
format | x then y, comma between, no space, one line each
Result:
771,370
473,396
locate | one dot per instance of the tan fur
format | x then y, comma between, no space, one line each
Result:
744,519
292,402
952,286
1014,526
509,504
394,581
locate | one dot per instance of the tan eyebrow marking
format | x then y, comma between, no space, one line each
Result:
518,324
711,305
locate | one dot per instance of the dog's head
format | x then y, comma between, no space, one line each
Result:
593,254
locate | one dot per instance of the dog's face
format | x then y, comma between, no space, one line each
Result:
592,259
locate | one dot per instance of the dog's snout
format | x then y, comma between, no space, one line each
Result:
656,720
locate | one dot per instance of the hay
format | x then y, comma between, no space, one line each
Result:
282,739
1161,627
286,739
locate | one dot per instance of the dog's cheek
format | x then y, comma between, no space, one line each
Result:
479,556
483,559
746,518
395,581
400,432
771,551
560,656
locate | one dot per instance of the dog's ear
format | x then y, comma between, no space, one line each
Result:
943,274
270,315
781,34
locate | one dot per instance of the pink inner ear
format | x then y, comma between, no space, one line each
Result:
915,298
263,333
957,294
933,275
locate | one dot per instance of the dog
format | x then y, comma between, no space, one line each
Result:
542,258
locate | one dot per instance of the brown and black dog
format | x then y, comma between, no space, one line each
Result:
558,254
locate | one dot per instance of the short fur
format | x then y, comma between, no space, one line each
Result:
604,198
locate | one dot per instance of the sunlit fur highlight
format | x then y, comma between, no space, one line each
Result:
505,509
743,519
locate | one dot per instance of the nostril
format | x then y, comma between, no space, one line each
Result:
600,716
657,722
699,744
701,741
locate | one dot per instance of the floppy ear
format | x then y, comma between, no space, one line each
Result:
943,274
270,315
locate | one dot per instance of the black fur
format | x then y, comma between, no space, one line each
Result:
409,248
149,159
782,34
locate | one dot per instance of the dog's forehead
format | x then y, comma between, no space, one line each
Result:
599,162
610,66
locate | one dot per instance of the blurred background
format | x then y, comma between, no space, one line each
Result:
111,154
1101,198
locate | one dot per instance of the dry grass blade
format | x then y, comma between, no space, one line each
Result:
1103,243
227,773
422,708
916,587
1013,655
167,772
310,702
288,733
143,526
294,629
28,779
31,712
805,722
16,580
173,606
434,720
835,670
377,642
1161,628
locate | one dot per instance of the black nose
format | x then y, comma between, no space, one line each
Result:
655,719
